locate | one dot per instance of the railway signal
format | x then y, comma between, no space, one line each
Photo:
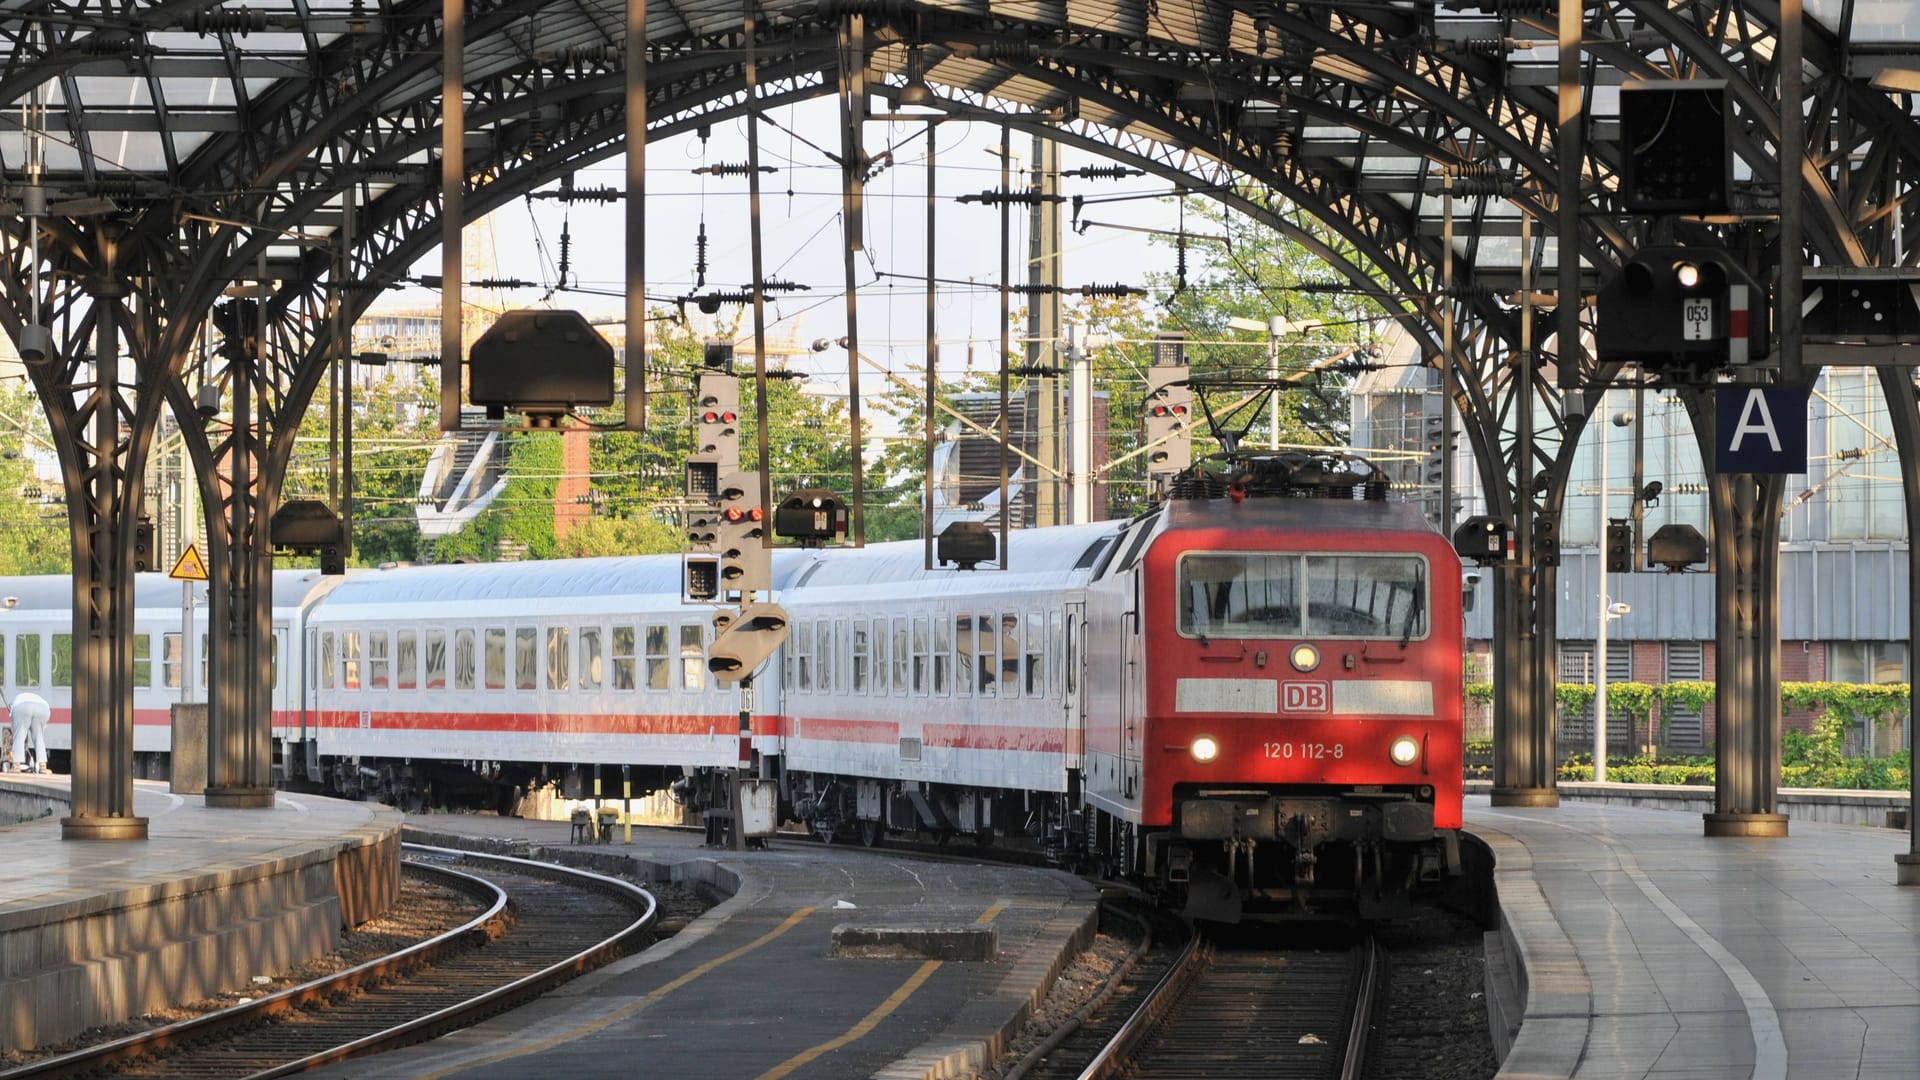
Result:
812,516
741,643
716,431
1678,310
1676,149
703,553
1169,408
1619,546
746,565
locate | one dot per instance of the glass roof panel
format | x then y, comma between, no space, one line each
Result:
137,151
99,90
198,93
1880,22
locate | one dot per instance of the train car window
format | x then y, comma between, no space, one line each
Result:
802,656
463,660
378,660
143,659
1056,656
658,674
494,657
1366,596
920,656
273,659
877,640
436,660
623,658
170,661
557,657
1010,655
902,659
964,658
26,659
1234,594
823,656
1036,654
986,654
3,658
859,656
526,658
942,658
693,657
349,659
406,660
63,659
590,642
1072,657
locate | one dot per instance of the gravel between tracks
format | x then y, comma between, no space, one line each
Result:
1432,1025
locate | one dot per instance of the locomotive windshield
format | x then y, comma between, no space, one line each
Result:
1265,594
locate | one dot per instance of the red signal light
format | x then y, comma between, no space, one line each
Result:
709,417
1179,410
733,513
757,514
728,418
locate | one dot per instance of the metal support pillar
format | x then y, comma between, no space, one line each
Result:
1903,410
102,521
1043,331
239,631
1524,703
1745,510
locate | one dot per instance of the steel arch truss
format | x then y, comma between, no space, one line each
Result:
359,111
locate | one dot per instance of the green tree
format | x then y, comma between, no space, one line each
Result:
34,538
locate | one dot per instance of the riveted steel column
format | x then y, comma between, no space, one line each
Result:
102,643
1523,719
1903,410
240,716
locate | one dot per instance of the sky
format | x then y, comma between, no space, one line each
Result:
802,236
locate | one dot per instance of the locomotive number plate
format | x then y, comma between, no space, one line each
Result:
1306,751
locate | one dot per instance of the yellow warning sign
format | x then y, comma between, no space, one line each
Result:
189,568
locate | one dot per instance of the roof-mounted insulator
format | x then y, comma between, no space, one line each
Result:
582,194
242,21
1104,172
725,168
1026,197
1005,51
112,42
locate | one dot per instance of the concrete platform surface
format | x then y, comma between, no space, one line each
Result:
1651,950
92,932
753,989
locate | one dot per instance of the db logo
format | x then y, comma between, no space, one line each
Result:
1303,696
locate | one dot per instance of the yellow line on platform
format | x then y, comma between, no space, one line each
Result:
624,1012
871,1020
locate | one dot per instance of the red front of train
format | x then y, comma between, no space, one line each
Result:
1285,730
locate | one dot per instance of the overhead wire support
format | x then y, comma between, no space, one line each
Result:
1003,197
724,168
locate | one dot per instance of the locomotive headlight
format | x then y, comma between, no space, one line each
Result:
1204,749
1305,657
1404,750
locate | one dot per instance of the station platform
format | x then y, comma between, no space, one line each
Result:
753,988
95,931
1647,949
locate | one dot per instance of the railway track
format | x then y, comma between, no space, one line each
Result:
543,925
1226,1012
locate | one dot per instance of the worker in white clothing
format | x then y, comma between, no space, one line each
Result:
28,713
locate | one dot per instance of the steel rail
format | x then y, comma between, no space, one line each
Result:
488,925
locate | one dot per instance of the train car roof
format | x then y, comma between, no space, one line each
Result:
1278,513
1055,552
54,592
547,579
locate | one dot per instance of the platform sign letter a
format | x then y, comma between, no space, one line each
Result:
1760,429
